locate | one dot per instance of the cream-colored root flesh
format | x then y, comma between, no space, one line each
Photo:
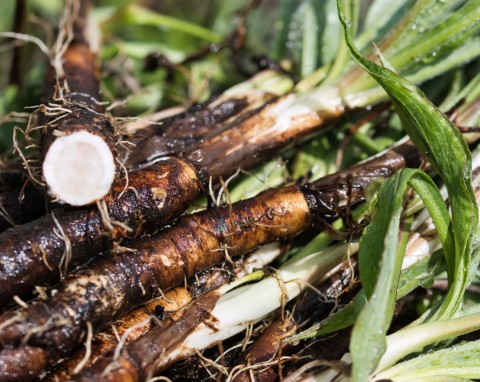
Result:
79,168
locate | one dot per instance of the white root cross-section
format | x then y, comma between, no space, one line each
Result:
79,168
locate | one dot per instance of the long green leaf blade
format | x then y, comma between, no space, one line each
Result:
457,361
380,260
441,142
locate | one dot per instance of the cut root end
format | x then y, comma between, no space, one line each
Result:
79,168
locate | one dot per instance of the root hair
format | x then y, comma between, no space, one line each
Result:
20,302
67,252
64,38
4,214
107,221
125,335
155,379
88,349
34,172
212,363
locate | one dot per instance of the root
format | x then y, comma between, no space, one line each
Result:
248,336
263,180
4,214
67,253
28,38
15,116
299,374
42,292
17,317
284,295
155,379
323,298
107,221
125,335
20,302
210,362
140,285
125,172
34,172
124,144
224,249
115,332
131,125
114,365
165,297
44,258
223,192
102,208
239,369
64,38
117,248
38,329
53,109
211,193
88,349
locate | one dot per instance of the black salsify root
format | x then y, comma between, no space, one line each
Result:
325,207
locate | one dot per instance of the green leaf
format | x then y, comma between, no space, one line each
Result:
443,37
380,237
137,15
422,273
384,229
418,274
309,40
270,174
458,361
342,58
428,40
318,157
380,261
433,133
342,319
381,16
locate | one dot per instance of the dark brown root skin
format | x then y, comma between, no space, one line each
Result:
107,340
169,332
265,349
251,140
15,362
115,284
81,72
82,76
174,134
19,198
137,322
150,354
245,139
155,196
122,371
141,358
328,197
